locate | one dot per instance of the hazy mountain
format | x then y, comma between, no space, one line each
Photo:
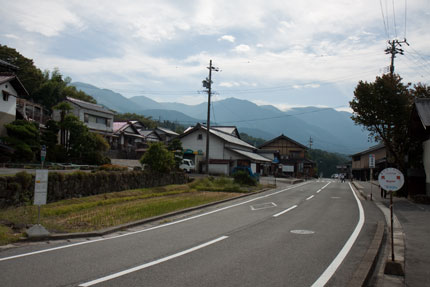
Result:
108,98
329,129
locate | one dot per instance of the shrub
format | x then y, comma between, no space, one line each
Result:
113,167
242,177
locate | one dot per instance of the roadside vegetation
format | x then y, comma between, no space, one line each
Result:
112,209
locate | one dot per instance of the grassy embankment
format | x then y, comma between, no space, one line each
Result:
111,209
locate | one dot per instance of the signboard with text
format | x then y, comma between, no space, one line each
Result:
391,179
371,161
41,187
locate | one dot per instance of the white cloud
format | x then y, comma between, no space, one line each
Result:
11,36
228,38
242,48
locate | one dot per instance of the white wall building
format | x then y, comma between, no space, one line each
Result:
11,88
226,150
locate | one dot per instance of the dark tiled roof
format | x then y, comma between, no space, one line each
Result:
282,136
8,65
373,148
423,109
90,106
15,82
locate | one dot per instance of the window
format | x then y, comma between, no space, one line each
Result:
5,96
86,118
102,121
200,137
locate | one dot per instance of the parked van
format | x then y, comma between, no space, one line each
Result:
187,165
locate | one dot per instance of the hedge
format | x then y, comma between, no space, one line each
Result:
19,189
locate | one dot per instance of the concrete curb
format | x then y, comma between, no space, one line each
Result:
62,236
367,265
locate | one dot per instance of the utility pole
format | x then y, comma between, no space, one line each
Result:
311,141
207,83
393,49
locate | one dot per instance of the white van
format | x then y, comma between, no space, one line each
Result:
187,165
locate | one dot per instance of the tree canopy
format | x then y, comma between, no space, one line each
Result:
158,158
384,107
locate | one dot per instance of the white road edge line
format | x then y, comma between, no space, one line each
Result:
285,211
319,190
151,228
310,197
149,264
331,269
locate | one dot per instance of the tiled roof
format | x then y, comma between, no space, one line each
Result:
423,109
373,148
118,125
167,131
251,155
282,136
15,82
90,106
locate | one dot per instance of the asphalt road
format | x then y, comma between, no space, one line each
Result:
302,235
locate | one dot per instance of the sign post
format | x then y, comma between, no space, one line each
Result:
371,166
43,155
40,195
391,180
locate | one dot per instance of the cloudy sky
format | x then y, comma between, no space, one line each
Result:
284,53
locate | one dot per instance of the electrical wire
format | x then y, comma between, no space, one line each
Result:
394,19
383,20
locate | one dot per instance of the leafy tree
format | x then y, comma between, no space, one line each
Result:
252,140
30,76
158,158
383,108
175,146
24,137
326,162
147,121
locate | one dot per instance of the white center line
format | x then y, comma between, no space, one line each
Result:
319,190
331,269
285,211
310,197
146,265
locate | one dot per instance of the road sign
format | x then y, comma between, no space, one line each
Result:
371,161
41,187
391,179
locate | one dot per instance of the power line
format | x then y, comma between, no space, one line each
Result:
383,20
394,19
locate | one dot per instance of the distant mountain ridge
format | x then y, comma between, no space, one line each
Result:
329,129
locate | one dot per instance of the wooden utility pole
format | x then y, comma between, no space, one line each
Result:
208,84
393,50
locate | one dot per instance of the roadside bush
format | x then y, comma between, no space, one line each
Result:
113,167
243,178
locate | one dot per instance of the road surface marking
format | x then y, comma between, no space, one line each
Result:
310,197
331,269
325,185
285,211
151,228
146,265
263,206
319,190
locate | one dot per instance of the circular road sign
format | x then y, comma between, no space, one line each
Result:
391,179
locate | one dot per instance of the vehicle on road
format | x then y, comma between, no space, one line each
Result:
187,165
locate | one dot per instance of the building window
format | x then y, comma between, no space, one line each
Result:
86,118
200,137
102,121
356,158
5,96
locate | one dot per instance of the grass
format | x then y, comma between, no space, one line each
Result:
112,209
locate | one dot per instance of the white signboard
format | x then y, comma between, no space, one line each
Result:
41,187
288,168
391,179
371,161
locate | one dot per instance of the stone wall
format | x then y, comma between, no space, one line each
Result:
19,189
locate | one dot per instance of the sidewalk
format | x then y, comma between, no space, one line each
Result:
411,238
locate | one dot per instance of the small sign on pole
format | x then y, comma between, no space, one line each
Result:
371,161
391,179
41,187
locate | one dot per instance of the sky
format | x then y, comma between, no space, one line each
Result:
291,53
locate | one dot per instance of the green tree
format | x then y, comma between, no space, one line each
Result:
30,76
24,137
384,107
158,158
252,140
175,146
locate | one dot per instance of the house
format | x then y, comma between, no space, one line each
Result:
97,118
419,159
360,162
32,112
166,135
130,140
226,150
11,88
290,156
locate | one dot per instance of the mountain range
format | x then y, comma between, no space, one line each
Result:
330,130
